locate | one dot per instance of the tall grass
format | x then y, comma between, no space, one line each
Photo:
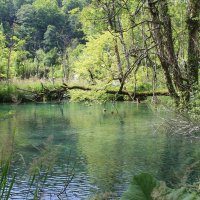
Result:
40,170
6,182
17,89
6,179
6,92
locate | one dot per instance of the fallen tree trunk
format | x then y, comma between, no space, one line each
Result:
76,87
60,93
45,94
133,96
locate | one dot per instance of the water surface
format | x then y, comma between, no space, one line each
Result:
105,144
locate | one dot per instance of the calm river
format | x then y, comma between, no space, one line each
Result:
104,144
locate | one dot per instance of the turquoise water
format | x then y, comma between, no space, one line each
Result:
104,144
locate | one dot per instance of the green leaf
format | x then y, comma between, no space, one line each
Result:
141,188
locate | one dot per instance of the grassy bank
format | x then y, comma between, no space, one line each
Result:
19,91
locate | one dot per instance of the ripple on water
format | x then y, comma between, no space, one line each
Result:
112,147
79,188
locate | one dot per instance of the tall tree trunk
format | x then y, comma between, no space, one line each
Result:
8,63
110,8
37,66
169,44
119,65
52,73
193,40
64,64
159,41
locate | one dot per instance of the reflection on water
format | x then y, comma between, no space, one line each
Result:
108,144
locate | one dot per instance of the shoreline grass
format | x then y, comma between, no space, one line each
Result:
18,91
21,91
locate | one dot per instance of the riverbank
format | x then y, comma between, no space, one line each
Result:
26,91
21,91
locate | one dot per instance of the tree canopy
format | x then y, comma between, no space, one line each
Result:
132,44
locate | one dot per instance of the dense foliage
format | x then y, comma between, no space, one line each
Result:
135,45
35,35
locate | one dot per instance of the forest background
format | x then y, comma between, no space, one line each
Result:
127,45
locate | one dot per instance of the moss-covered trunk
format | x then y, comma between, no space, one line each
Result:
193,40
179,85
